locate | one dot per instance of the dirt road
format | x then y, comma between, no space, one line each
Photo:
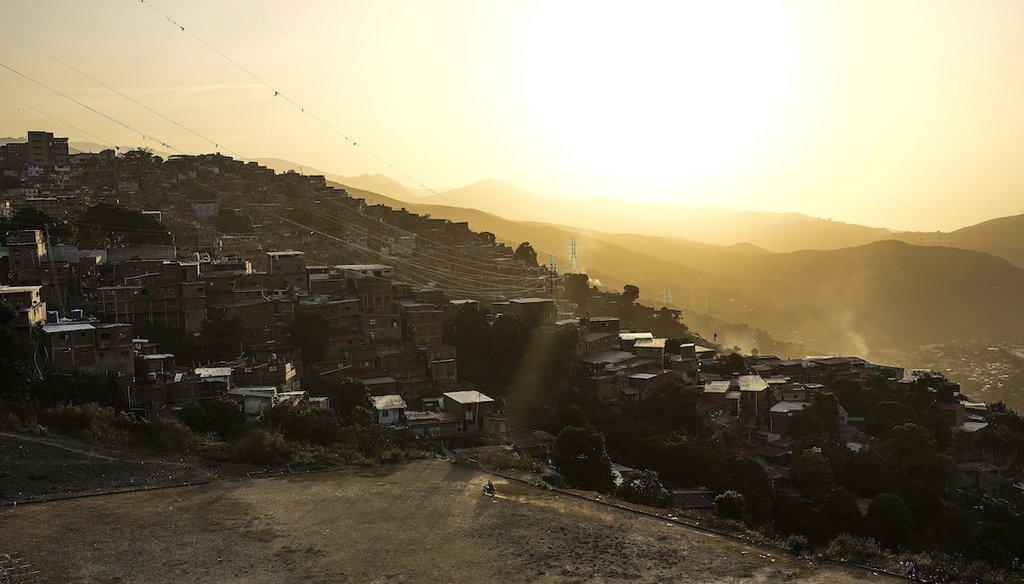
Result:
420,522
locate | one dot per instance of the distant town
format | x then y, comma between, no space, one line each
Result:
182,281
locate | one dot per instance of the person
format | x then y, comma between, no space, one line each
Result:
489,488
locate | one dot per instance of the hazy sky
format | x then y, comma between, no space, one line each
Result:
893,113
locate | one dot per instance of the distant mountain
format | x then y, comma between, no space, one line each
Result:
771,231
1003,237
81,147
885,297
376,183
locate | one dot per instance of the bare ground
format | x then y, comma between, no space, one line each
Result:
420,522
36,467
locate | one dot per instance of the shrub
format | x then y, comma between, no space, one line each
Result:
796,544
731,505
263,448
848,547
643,488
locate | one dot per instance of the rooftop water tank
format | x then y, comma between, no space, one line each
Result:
52,316
77,314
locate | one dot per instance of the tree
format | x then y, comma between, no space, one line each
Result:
667,322
826,407
939,427
577,289
306,423
805,423
219,415
581,458
912,454
683,462
346,396
843,513
138,156
869,473
745,476
310,332
526,254
643,488
811,475
630,293
731,505
889,521
887,415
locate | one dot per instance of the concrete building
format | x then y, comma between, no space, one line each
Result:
390,409
47,151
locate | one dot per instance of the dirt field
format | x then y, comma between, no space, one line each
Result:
421,522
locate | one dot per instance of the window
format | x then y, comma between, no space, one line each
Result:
384,414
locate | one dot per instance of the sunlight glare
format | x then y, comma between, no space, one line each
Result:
658,90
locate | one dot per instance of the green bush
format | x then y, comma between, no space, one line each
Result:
731,505
848,547
796,544
643,488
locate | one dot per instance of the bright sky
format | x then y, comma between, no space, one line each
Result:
892,113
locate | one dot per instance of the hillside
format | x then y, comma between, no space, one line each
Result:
882,297
1003,237
772,231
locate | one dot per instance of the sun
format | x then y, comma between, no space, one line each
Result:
657,90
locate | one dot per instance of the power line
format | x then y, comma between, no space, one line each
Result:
278,93
128,97
92,109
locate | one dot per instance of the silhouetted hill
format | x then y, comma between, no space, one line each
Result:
376,183
1003,237
885,295
771,231
881,297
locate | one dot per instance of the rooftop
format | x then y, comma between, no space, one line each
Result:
790,406
388,402
468,397
19,289
51,329
610,356
650,343
211,372
635,336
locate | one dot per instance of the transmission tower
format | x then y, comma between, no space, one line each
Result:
574,258
553,270
668,297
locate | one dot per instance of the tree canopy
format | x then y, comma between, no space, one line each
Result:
581,458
